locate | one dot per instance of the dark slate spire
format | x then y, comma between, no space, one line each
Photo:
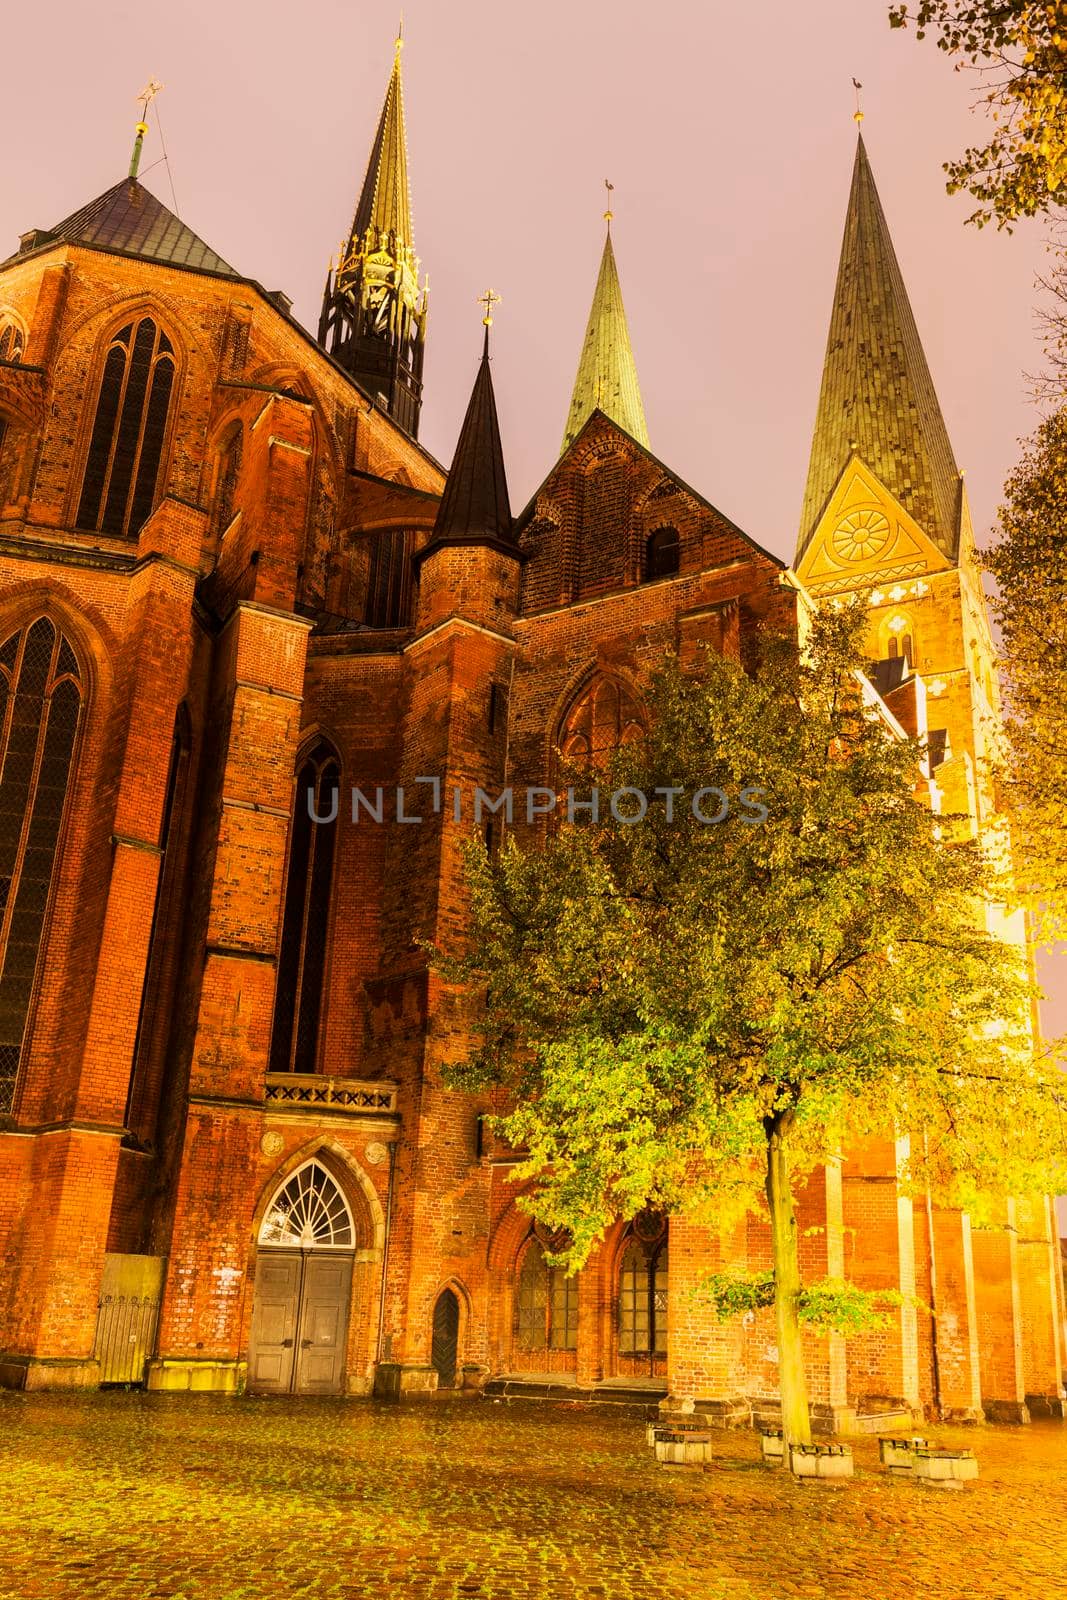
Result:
475,508
877,398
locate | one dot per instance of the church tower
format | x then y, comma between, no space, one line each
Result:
607,373
885,511
373,318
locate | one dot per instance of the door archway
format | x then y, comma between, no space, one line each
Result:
444,1354
642,1298
306,1248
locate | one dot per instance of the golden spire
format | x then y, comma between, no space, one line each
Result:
607,374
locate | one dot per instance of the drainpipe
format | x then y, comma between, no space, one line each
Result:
385,1251
935,1362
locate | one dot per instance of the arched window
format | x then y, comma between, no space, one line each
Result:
126,447
546,1306
302,958
308,1212
40,703
603,717
389,587
11,343
643,1288
662,553
229,470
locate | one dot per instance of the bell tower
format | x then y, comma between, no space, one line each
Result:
373,318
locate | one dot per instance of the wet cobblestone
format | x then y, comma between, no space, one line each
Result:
146,1497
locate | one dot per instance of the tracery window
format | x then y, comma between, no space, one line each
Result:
308,1212
603,717
643,1288
40,704
126,447
546,1304
662,553
302,958
11,343
389,587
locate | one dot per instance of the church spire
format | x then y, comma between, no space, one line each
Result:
877,399
373,312
475,508
607,374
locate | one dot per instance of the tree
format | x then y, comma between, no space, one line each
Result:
1029,564
1020,49
679,1012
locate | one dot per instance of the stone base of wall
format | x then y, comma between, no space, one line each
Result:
962,1415
1006,1411
32,1372
733,1413
197,1377
1046,1405
395,1380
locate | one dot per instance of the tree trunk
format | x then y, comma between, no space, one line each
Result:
796,1423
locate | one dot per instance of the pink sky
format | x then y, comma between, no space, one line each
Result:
727,132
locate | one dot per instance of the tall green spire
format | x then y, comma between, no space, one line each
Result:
607,374
877,399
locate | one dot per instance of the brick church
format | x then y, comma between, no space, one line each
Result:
233,589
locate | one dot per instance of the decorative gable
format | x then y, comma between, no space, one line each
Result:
865,537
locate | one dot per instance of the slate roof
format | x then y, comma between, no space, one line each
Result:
475,504
129,220
877,395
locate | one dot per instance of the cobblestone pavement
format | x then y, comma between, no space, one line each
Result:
200,1498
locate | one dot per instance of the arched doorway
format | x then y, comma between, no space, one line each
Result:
642,1298
303,1287
444,1353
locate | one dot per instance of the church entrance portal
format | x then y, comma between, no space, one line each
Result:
303,1288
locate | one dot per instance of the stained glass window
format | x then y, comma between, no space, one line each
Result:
389,586
643,1298
546,1304
40,706
308,1212
302,958
11,343
129,429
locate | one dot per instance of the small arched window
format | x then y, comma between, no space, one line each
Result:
546,1304
302,959
643,1288
228,472
11,343
129,429
40,705
662,553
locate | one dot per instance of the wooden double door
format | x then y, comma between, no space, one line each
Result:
300,1322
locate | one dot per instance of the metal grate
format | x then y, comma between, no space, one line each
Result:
125,1336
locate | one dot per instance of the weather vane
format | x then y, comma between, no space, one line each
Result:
489,299
857,115
144,100
400,34
609,213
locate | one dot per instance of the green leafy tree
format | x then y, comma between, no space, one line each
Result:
1019,47
683,1013
1029,564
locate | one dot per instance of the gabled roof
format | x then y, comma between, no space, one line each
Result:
129,220
475,506
607,372
595,420
877,398
385,201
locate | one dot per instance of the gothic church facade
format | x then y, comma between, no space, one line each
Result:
234,588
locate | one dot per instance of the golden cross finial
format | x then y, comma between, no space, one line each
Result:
489,299
144,100
609,213
400,36
857,115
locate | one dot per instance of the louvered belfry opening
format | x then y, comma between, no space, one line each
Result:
40,703
302,959
129,430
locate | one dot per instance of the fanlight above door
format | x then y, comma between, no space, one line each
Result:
308,1212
